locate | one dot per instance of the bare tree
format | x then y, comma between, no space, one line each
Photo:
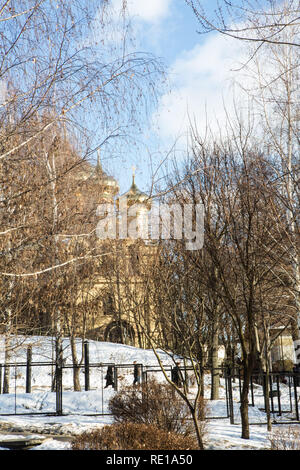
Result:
60,69
243,261
67,87
250,20
271,32
274,79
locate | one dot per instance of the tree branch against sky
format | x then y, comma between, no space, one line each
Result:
64,73
242,19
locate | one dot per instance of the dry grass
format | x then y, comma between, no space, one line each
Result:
152,403
287,438
132,436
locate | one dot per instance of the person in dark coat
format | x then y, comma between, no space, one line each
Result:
175,375
109,377
136,373
296,370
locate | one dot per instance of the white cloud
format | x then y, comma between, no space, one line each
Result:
3,92
203,84
150,11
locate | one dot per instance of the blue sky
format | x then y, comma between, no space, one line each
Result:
200,74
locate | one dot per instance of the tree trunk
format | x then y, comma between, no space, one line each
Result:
6,373
201,370
267,395
267,369
197,429
76,368
215,374
244,405
248,361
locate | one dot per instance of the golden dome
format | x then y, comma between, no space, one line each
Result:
109,184
135,196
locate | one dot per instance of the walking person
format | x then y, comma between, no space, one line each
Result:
136,373
109,377
296,371
176,375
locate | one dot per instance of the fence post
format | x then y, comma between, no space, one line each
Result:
0,378
296,396
6,377
86,366
186,379
28,369
252,391
58,377
231,411
264,380
271,393
226,393
115,378
59,389
278,396
102,390
231,402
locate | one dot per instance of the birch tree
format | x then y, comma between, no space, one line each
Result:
270,33
67,79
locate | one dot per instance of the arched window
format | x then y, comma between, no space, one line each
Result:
108,305
119,332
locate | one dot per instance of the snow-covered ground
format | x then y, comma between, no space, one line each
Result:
84,410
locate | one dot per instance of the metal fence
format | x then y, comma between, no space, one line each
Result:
30,384
283,395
